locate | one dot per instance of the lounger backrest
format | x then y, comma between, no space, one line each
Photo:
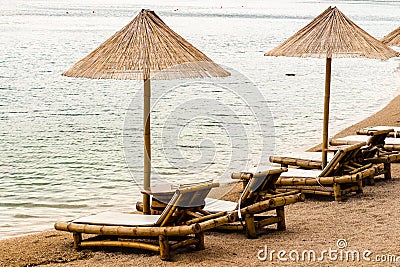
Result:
341,157
263,180
185,197
375,142
164,192
194,195
259,181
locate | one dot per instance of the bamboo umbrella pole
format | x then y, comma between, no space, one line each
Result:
147,145
326,111
146,46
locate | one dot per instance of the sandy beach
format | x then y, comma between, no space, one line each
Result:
367,222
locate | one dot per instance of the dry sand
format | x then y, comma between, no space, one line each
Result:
370,221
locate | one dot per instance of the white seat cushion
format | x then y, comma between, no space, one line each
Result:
119,218
301,173
382,128
364,138
355,138
392,141
216,205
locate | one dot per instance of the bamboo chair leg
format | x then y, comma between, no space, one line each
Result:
164,248
387,171
371,181
244,184
200,239
77,240
280,212
250,226
360,186
337,192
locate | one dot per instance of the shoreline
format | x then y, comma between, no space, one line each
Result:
388,115
363,221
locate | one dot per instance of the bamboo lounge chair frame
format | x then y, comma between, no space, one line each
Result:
171,224
258,197
341,176
377,152
312,160
390,143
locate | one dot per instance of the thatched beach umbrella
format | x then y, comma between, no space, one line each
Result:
392,39
329,35
146,49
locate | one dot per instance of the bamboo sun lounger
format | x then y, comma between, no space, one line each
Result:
341,176
162,233
391,143
313,160
377,151
258,197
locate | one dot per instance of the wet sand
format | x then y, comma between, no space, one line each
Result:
367,222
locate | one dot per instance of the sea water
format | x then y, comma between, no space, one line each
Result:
72,146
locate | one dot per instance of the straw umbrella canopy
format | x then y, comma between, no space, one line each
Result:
329,35
146,48
392,39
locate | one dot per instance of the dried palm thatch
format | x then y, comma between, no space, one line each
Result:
143,48
329,35
393,38
332,34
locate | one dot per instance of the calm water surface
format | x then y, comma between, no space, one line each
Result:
63,151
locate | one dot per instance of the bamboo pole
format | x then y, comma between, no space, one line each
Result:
164,247
337,193
200,239
309,191
128,244
206,217
258,207
77,240
146,231
287,200
389,132
289,161
249,175
231,227
147,146
250,226
387,171
184,243
212,223
326,111
360,187
268,221
318,181
280,213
